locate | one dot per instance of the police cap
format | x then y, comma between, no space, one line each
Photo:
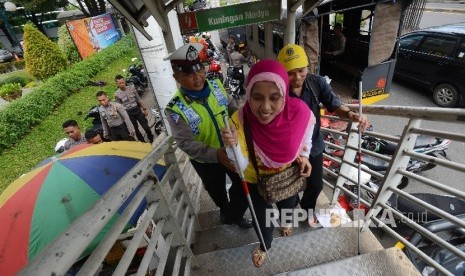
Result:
186,59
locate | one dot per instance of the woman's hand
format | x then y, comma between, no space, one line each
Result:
229,137
304,165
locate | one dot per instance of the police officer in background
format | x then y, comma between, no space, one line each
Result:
115,120
128,97
195,115
72,129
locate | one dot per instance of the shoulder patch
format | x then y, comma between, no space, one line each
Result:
175,117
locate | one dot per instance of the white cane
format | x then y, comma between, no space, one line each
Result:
359,160
246,188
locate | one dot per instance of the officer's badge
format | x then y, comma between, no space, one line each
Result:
192,53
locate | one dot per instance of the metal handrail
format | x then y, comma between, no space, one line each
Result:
168,231
397,169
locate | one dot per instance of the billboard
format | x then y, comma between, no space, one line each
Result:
93,34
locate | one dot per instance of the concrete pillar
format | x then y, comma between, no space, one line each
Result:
152,52
269,41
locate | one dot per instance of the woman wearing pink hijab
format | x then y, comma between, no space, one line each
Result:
281,128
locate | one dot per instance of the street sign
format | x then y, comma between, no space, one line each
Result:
188,23
230,16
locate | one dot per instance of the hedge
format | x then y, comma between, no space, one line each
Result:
12,66
22,78
20,116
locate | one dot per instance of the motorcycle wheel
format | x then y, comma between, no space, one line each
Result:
159,127
140,89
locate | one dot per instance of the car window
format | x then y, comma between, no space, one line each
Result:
438,46
461,51
410,42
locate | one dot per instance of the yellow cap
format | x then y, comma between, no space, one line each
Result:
292,56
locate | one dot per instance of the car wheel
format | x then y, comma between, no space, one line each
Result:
445,95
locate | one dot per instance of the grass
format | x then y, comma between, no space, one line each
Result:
39,144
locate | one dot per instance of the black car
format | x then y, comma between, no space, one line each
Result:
434,58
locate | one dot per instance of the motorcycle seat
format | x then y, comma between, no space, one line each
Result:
425,141
452,205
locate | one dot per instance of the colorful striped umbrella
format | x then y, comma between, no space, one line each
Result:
39,206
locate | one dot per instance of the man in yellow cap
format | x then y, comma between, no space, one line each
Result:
313,89
195,115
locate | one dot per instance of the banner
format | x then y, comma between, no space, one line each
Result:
229,16
93,34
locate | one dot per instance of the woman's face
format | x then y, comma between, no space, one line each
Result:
265,101
297,77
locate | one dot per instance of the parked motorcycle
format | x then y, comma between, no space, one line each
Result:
157,122
234,82
214,71
428,145
96,121
136,76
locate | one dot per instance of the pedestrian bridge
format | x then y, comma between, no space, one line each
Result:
180,232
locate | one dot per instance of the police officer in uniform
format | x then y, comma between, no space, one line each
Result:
115,120
195,115
128,97
72,129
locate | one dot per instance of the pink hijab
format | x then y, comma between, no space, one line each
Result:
279,142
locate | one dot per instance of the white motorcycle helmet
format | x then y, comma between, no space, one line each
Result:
60,146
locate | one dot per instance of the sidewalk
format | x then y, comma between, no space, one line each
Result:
452,7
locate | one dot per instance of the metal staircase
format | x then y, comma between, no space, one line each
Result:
183,235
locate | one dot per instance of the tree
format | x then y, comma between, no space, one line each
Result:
90,7
43,57
67,46
34,10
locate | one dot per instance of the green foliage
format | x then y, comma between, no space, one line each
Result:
19,65
67,46
19,117
39,143
41,6
43,57
11,66
6,67
188,2
34,10
10,89
31,84
21,77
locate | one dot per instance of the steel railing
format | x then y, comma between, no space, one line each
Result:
170,219
168,223
389,180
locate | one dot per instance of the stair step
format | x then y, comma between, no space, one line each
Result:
299,251
209,219
231,236
391,261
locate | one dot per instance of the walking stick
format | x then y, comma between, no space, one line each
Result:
246,189
359,159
